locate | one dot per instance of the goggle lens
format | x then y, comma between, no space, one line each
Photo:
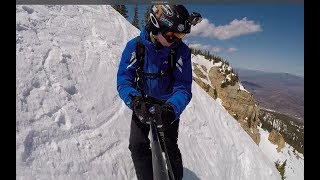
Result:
172,36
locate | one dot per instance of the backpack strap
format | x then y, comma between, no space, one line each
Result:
140,60
140,52
172,61
140,74
173,58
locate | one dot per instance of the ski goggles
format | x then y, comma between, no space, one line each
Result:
172,36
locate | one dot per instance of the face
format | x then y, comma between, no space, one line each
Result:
162,40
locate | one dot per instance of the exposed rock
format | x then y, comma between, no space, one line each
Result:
277,139
198,72
239,103
211,91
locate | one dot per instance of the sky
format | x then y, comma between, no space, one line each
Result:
265,37
71,123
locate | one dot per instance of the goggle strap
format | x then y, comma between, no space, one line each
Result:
154,21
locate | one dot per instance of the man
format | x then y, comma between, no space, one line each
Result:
159,78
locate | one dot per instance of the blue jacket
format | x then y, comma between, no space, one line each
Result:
177,94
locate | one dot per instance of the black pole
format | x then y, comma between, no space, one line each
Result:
160,171
161,165
167,156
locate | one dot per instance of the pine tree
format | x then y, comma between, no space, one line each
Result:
281,168
116,7
135,21
122,9
146,16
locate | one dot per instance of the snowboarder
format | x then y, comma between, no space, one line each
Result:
156,67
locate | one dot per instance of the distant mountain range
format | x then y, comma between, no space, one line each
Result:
281,92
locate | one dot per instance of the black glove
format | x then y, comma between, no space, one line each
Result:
139,108
167,117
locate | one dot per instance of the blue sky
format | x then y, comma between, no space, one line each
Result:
261,37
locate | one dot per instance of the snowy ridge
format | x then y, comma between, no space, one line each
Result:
242,88
214,136
294,169
201,61
71,123
295,161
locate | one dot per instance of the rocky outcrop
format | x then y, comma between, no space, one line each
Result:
224,84
239,103
291,130
209,89
277,139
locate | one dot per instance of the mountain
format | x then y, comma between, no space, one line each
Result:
70,121
281,92
250,86
217,78
279,136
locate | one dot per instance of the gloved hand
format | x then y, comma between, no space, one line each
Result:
167,117
139,108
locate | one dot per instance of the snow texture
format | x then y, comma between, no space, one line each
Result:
295,161
70,121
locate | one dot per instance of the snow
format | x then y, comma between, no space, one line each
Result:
294,166
242,88
206,81
70,121
200,60
218,64
219,101
203,80
228,77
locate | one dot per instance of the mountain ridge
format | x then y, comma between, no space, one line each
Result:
265,128
71,123
282,92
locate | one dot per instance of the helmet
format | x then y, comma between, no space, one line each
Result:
173,17
173,21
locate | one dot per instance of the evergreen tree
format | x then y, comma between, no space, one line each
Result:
135,21
146,16
281,168
122,9
116,7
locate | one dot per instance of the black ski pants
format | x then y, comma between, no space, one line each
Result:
139,145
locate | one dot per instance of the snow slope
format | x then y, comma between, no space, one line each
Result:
70,121
294,169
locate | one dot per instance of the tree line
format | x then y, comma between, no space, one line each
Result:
122,9
208,55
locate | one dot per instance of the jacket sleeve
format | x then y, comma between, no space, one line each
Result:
126,74
182,85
